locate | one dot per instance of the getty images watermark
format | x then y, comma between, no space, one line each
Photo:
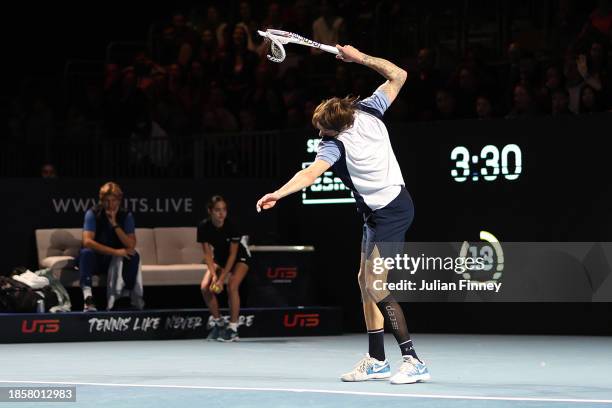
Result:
489,271
404,263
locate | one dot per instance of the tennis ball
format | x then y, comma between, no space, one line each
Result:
216,288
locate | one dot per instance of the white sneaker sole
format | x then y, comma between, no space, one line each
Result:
376,376
228,341
412,379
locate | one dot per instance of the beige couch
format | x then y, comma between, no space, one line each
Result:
169,256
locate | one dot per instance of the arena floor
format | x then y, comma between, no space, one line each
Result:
467,371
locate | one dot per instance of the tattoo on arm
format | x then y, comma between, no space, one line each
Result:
385,68
395,75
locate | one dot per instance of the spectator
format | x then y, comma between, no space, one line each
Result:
593,69
446,105
166,108
216,25
590,100
217,118
209,55
126,105
484,107
273,17
245,17
421,87
524,104
265,100
177,87
174,36
143,67
300,21
342,82
328,28
185,56
183,33
591,78
292,93
553,81
109,241
573,82
510,71
598,61
529,71
466,90
239,66
362,17
560,103
248,120
48,171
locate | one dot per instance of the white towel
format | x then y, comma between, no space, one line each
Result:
115,286
32,280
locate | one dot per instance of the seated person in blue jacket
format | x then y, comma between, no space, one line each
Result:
108,232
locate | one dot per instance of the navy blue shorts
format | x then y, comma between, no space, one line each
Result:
388,225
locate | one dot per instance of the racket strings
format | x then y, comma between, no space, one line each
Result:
276,52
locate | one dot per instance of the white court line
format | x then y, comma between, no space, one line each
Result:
316,391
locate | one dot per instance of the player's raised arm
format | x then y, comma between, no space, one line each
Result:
300,180
395,75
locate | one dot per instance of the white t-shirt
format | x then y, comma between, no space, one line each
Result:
363,158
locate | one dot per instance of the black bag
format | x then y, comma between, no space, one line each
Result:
16,297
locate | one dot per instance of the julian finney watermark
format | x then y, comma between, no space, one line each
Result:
437,286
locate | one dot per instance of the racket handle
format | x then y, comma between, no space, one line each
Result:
330,49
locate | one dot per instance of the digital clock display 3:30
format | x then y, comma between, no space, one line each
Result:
487,164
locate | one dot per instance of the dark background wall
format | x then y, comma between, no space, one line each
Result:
561,195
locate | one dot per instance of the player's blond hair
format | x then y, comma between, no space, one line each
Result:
335,114
110,188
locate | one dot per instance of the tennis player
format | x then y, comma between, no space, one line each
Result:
228,259
355,144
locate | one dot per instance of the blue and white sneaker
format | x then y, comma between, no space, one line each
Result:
410,372
368,368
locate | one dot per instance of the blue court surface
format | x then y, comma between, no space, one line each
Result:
467,371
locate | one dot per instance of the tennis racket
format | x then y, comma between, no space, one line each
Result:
279,38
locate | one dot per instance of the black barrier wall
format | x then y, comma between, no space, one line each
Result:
165,324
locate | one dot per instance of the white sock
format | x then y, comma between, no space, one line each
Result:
218,322
233,326
86,292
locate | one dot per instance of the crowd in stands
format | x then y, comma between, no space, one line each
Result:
205,71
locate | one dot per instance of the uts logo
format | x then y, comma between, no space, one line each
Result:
41,326
282,274
301,320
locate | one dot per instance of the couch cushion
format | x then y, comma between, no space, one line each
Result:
57,242
179,274
178,246
58,262
145,245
